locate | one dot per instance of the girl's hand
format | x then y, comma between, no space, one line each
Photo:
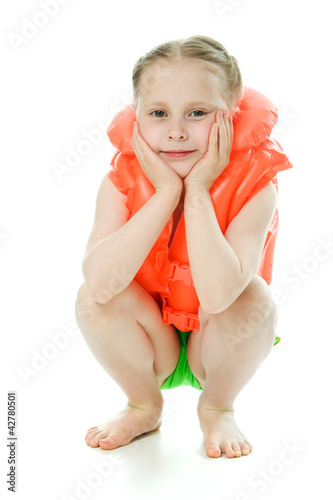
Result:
205,172
158,172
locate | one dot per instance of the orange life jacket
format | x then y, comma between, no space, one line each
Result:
254,162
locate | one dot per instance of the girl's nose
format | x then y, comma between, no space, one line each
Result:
177,131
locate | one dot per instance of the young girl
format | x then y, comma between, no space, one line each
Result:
179,259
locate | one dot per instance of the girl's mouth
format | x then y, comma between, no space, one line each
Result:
177,154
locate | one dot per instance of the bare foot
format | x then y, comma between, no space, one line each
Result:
221,433
131,422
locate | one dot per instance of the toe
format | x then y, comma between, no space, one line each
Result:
212,448
95,440
110,442
91,429
246,448
228,450
92,433
237,449
213,452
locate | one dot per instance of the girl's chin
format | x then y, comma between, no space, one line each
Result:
181,169
182,173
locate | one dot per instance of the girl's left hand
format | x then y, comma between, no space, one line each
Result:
205,172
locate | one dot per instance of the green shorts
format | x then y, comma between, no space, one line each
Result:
182,374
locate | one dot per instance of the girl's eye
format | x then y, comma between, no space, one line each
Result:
159,115
198,111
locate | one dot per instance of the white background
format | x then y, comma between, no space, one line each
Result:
68,77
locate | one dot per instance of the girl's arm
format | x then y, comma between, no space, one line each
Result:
117,248
223,265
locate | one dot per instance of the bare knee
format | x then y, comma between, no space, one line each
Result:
90,312
254,306
87,310
256,303
121,307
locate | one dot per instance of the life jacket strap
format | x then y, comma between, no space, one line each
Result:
181,273
173,270
182,320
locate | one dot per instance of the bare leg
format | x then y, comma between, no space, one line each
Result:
128,338
231,345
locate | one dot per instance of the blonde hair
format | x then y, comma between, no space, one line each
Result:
203,48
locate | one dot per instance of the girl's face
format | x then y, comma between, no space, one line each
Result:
176,109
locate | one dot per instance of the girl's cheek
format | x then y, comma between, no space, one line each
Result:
153,141
148,134
204,133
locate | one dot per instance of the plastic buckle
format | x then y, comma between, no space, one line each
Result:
192,322
182,320
181,273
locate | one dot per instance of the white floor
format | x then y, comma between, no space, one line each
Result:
60,84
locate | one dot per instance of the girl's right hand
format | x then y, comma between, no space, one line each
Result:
158,172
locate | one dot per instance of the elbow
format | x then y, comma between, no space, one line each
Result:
102,296
214,307
100,290
98,293
219,302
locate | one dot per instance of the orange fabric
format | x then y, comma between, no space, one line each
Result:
254,162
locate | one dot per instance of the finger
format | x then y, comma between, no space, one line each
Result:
231,128
228,133
136,142
135,135
227,128
142,147
223,133
213,140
